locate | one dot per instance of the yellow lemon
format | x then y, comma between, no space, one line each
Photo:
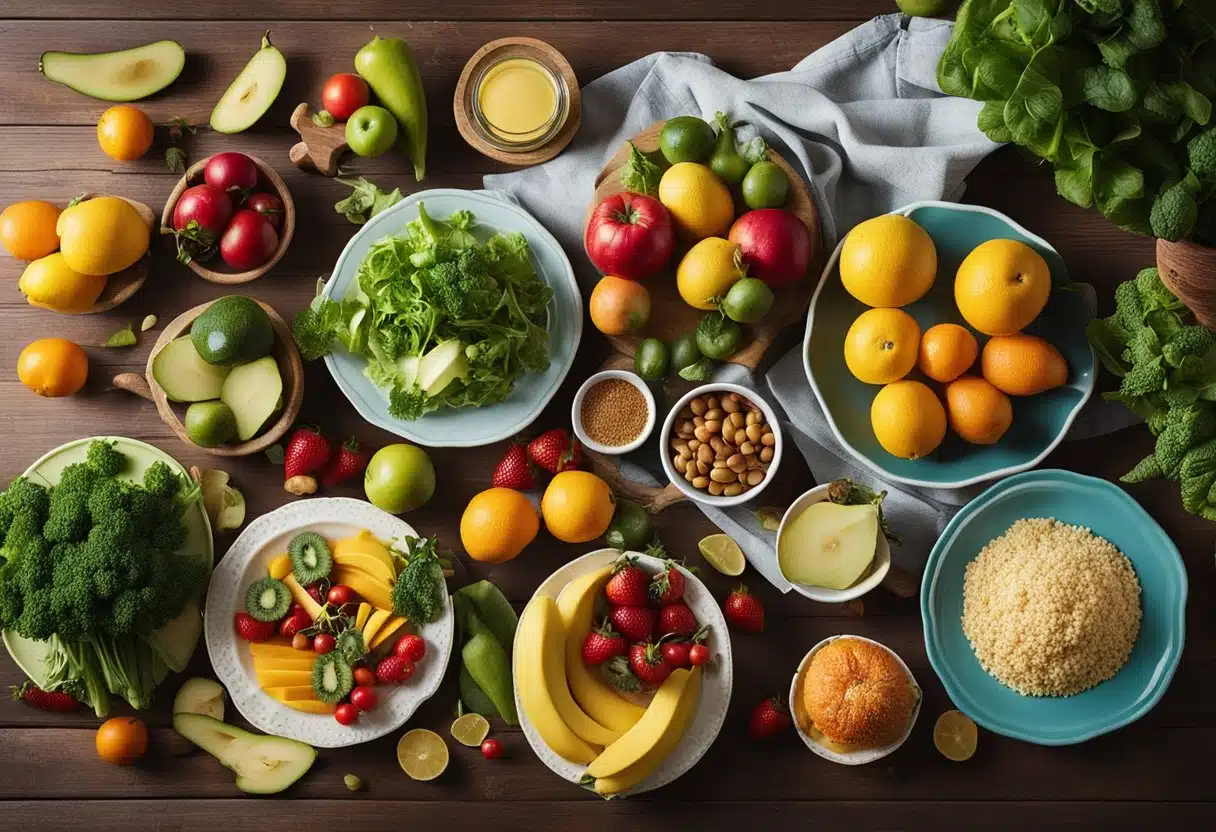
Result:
888,261
577,506
1002,286
708,271
955,736
497,524
881,346
51,284
422,754
102,235
908,420
697,200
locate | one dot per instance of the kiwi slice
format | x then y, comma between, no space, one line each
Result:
267,599
332,677
351,645
311,559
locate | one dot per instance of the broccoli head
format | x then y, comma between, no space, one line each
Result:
1175,212
1190,341
418,592
1143,378
160,481
105,459
1129,307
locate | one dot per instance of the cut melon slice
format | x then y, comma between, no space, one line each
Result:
388,631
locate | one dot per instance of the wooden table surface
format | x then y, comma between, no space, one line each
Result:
1152,773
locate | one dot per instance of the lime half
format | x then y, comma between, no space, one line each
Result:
723,554
955,736
470,729
423,754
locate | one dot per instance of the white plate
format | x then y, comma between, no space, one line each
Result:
247,559
715,690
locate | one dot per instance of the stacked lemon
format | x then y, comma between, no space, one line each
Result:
890,262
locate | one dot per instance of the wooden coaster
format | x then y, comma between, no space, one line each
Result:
539,51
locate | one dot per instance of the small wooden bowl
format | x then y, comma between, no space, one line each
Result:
1189,271
120,286
194,176
290,366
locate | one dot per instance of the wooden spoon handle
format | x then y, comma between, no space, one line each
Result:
134,383
650,497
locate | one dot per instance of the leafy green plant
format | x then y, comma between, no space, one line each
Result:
1116,94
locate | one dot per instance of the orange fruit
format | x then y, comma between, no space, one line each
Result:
577,506
618,305
124,132
122,740
497,524
53,367
888,261
908,420
1002,286
1022,365
27,229
698,201
880,346
946,352
978,412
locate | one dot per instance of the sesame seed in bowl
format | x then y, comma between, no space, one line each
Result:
613,412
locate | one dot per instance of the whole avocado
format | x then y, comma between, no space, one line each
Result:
233,330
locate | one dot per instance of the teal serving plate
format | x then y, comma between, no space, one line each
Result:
1039,422
1107,511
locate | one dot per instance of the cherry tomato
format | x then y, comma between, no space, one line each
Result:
340,594
676,653
411,647
323,643
363,698
346,714
301,642
343,94
698,655
269,206
364,677
491,749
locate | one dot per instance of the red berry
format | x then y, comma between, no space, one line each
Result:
555,451
394,669
346,714
667,586
45,700
323,643
634,623
628,584
603,643
306,452
515,470
250,629
363,698
314,592
340,594
744,611
348,463
647,663
491,749
769,718
677,618
676,653
698,655
295,621
411,647
364,676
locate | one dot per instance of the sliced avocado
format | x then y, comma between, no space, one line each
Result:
184,375
126,75
262,764
233,330
252,92
252,391
200,696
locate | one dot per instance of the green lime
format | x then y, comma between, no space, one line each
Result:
630,529
748,300
684,352
923,8
718,337
650,359
765,186
686,139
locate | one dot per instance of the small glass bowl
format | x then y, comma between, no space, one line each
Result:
533,139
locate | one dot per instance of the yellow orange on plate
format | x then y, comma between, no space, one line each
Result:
27,229
1002,286
102,235
888,261
881,345
946,352
50,283
698,201
1023,365
908,420
978,412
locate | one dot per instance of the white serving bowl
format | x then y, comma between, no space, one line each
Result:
873,576
576,412
850,758
677,477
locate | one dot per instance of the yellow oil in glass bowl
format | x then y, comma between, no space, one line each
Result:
519,103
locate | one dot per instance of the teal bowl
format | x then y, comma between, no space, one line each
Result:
1106,510
1039,422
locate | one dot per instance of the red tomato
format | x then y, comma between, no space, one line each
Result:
776,245
630,236
346,714
340,594
207,205
269,206
363,698
231,172
676,653
491,749
411,647
343,94
323,643
364,677
698,655
249,241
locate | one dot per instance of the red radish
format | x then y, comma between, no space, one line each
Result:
346,714
324,643
343,94
206,205
630,235
411,647
231,172
269,206
249,240
364,676
491,749
363,698
776,245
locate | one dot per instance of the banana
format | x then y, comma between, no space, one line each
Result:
639,771
554,661
539,623
643,738
576,604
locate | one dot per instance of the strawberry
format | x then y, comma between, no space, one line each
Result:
393,670
306,453
634,623
627,586
647,663
515,470
250,629
350,462
667,586
603,643
675,653
315,593
677,619
744,611
554,451
45,700
769,718
295,621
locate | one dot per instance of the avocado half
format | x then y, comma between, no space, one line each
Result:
125,75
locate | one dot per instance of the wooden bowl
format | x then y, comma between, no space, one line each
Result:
290,366
120,286
1189,271
670,316
194,176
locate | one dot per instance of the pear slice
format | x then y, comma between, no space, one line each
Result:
200,696
263,764
829,545
252,92
441,366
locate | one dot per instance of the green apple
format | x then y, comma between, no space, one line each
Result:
371,130
923,8
399,478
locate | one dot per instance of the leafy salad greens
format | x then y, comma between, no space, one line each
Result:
442,319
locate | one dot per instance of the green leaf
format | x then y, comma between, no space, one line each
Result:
365,200
1145,24
1107,89
123,338
702,370
753,150
640,174
1196,105
1075,179
1105,338
992,121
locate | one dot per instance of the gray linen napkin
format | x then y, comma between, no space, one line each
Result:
865,121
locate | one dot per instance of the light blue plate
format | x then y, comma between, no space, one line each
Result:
1039,422
1107,511
465,427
